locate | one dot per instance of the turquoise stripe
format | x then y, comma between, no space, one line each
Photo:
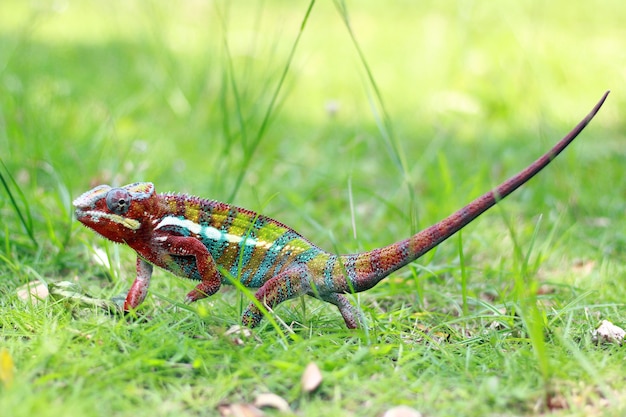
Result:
329,280
217,247
271,260
307,255
246,250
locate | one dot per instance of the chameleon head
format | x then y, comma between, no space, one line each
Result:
116,213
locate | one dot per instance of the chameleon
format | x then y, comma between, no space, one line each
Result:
214,242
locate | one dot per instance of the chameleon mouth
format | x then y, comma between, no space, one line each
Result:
94,217
80,214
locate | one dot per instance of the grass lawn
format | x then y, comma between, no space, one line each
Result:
357,124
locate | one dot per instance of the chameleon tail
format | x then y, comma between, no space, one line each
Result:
365,270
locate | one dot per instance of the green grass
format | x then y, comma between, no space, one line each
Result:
357,124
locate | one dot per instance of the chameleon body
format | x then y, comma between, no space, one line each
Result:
207,240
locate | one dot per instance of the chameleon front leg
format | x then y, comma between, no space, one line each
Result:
289,284
202,267
210,277
139,289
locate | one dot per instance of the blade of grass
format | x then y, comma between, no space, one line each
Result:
378,106
572,305
533,317
463,268
271,318
381,115
585,364
229,79
22,210
250,150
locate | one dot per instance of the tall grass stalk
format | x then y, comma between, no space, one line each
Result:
249,150
381,115
19,202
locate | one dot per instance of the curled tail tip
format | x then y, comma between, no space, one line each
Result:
584,122
600,103
606,94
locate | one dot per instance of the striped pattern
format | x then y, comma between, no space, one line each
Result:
251,247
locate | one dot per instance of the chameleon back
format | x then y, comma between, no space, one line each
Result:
248,246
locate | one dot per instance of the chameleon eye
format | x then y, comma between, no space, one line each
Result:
118,200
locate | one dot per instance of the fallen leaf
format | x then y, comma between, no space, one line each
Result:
239,410
271,400
311,378
545,289
557,402
70,291
33,291
402,411
583,267
7,368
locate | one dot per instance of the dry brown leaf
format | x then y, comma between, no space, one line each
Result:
557,402
33,291
311,378
545,289
271,400
583,267
239,410
402,411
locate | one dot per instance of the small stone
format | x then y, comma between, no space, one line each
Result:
608,333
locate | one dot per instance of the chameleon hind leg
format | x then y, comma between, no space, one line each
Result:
289,284
351,314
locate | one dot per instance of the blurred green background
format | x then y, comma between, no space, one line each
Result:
133,90
469,92
380,119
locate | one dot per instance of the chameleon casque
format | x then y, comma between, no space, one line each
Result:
205,240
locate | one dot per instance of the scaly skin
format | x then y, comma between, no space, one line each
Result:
204,240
